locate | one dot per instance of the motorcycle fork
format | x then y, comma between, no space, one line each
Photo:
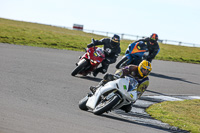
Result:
107,96
88,66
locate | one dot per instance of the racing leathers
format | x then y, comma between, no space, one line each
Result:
132,71
111,54
153,48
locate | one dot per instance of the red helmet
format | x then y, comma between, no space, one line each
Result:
153,38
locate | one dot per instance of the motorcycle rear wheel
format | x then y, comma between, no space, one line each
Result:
122,62
79,68
107,105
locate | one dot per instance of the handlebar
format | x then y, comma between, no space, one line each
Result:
95,51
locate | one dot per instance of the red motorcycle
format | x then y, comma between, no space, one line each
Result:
89,61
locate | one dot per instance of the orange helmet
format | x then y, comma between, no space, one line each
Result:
153,38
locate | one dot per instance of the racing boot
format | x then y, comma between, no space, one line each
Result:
94,88
95,72
102,69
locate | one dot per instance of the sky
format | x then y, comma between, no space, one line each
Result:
177,20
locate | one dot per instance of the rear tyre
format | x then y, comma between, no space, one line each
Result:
80,67
106,105
122,62
82,103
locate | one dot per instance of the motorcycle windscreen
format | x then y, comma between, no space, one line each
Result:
132,84
100,53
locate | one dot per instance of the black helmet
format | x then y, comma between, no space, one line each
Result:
115,40
153,38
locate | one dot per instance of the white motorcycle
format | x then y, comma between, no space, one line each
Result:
113,95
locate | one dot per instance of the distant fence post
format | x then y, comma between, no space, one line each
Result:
122,36
161,41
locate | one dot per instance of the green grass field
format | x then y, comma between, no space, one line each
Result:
32,34
38,35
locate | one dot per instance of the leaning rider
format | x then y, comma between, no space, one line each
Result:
112,50
140,73
152,45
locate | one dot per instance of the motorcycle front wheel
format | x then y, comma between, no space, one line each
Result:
106,105
80,67
122,62
82,103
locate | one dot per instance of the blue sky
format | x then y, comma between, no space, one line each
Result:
177,20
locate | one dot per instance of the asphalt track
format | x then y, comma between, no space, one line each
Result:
39,95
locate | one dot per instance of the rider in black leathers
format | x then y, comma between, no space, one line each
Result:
152,46
112,50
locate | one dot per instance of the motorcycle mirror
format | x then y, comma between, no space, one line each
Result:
93,41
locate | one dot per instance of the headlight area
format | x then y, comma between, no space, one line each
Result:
88,55
93,61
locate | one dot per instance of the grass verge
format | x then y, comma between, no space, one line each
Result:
182,114
39,35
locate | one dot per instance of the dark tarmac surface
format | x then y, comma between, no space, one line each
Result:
39,95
